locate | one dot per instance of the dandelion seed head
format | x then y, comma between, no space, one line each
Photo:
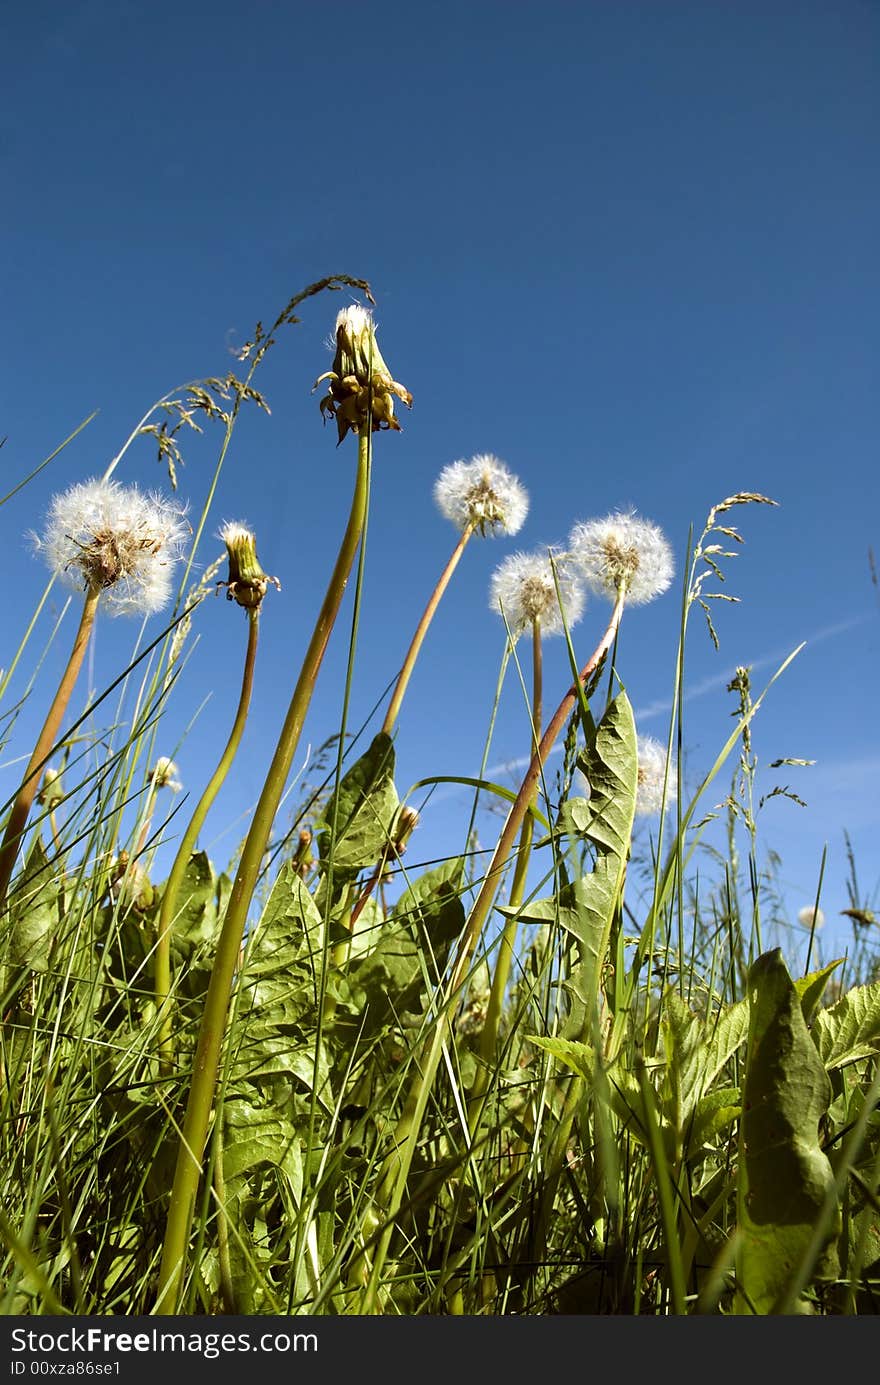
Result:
523,590
483,493
805,916
354,319
651,775
100,535
622,553
164,775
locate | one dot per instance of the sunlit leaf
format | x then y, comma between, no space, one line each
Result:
784,1174
356,823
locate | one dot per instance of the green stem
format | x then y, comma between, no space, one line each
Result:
421,630
504,961
207,1057
395,1170
53,823
147,822
24,799
664,1193
165,921
227,1284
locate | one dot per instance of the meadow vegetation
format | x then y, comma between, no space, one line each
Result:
570,1073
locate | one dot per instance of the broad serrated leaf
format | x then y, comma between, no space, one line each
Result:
611,767
262,1174
575,816
195,911
729,1031
697,1049
281,990
431,905
390,976
586,908
621,1085
784,1175
35,910
362,811
682,1032
715,1112
254,1136
812,988
850,1029
290,928
580,1057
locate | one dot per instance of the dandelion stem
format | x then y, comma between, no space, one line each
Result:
422,629
165,921
21,808
367,891
207,1057
395,1170
517,890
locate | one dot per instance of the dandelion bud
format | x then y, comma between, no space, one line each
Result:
471,1019
51,792
247,583
406,824
302,857
481,494
524,590
361,386
130,885
163,775
622,554
113,539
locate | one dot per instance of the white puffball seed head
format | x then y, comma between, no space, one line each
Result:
622,553
482,493
523,590
102,536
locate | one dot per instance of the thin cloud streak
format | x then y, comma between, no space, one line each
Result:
720,680
706,685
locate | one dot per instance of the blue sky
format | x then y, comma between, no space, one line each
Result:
629,248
